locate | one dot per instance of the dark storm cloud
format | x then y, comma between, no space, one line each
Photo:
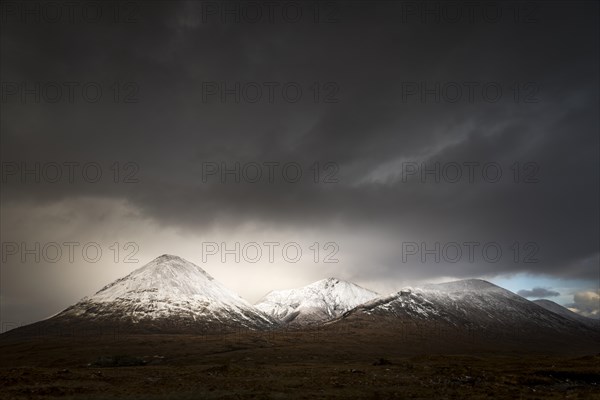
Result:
370,55
538,292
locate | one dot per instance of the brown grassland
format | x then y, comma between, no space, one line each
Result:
354,362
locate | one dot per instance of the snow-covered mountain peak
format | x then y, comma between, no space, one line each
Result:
470,302
319,301
169,258
175,263
169,288
165,277
328,283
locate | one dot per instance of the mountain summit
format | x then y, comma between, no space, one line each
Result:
165,277
320,301
471,303
167,294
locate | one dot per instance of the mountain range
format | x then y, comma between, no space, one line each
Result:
172,295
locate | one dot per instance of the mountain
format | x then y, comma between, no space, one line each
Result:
565,312
320,301
469,303
466,312
169,294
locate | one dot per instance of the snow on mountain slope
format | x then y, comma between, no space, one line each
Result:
172,295
565,312
467,303
170,290
319,301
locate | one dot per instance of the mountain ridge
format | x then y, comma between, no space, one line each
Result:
172,295
565,312
316,302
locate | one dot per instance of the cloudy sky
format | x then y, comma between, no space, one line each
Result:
386,143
